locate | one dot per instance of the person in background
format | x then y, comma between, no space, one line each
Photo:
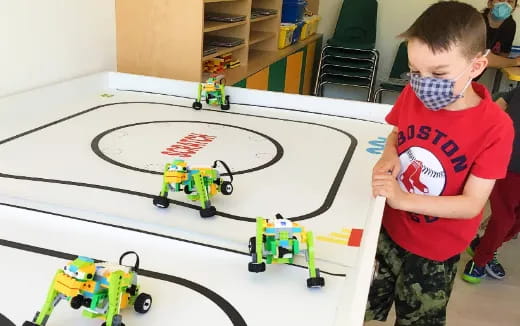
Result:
504,222
501,30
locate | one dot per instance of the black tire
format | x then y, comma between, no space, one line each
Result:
143,303
28,323
225,106
76,302
252,245
315,282
196,105
226,188
161,202
256,268
105,324
117,320
208,212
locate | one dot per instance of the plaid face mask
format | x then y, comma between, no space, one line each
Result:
435,93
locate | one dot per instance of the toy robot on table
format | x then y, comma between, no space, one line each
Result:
199,184
279,243
103,289
213,92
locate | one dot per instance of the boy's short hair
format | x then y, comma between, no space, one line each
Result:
449,23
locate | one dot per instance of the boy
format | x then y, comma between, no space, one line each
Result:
504,223
449,145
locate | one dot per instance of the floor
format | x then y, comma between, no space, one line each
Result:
492,302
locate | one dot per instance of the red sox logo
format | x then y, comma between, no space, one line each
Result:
422,172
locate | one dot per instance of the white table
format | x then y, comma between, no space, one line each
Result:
81,160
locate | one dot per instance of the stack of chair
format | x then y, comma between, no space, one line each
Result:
350,57
398,79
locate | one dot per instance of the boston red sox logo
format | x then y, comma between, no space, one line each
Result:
422,172
412,178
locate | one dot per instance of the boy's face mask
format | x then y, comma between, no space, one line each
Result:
437,93
501,11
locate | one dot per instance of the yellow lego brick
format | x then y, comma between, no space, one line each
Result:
124,300
67,285
213,189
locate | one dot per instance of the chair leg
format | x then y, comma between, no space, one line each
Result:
320,89
373,77
318,74
378,95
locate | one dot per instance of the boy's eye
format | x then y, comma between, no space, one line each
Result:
439,74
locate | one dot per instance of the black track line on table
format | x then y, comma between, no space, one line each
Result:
103,156
323,208
126,228
255,105
233,315
4,321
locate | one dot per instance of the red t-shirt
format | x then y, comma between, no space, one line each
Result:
438,150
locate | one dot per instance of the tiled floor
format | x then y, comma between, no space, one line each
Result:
492,302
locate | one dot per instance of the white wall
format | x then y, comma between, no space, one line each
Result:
45,41
394,17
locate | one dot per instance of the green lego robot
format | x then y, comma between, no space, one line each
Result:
277,241
214,92
200,184
103,289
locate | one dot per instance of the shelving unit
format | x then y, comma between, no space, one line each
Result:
259,19
211,26
268,26
257,37
223,50
164,38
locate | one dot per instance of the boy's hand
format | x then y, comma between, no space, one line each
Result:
386,185
387,163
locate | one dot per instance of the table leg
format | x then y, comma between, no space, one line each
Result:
496,81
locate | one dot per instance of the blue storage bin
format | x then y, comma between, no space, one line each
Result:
293,10
297,32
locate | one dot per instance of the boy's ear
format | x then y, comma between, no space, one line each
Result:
478,66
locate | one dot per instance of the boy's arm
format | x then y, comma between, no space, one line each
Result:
502,103
496,61
468,205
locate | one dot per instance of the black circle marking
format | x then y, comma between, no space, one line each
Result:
331,194
95,146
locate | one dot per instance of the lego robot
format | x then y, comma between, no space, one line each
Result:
199,184
279,241
213,92
102,289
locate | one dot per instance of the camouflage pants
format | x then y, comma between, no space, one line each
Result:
420,287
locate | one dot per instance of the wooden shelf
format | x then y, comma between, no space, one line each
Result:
149,33
223,50
262,18
208,1
260,59
257,36
211,26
